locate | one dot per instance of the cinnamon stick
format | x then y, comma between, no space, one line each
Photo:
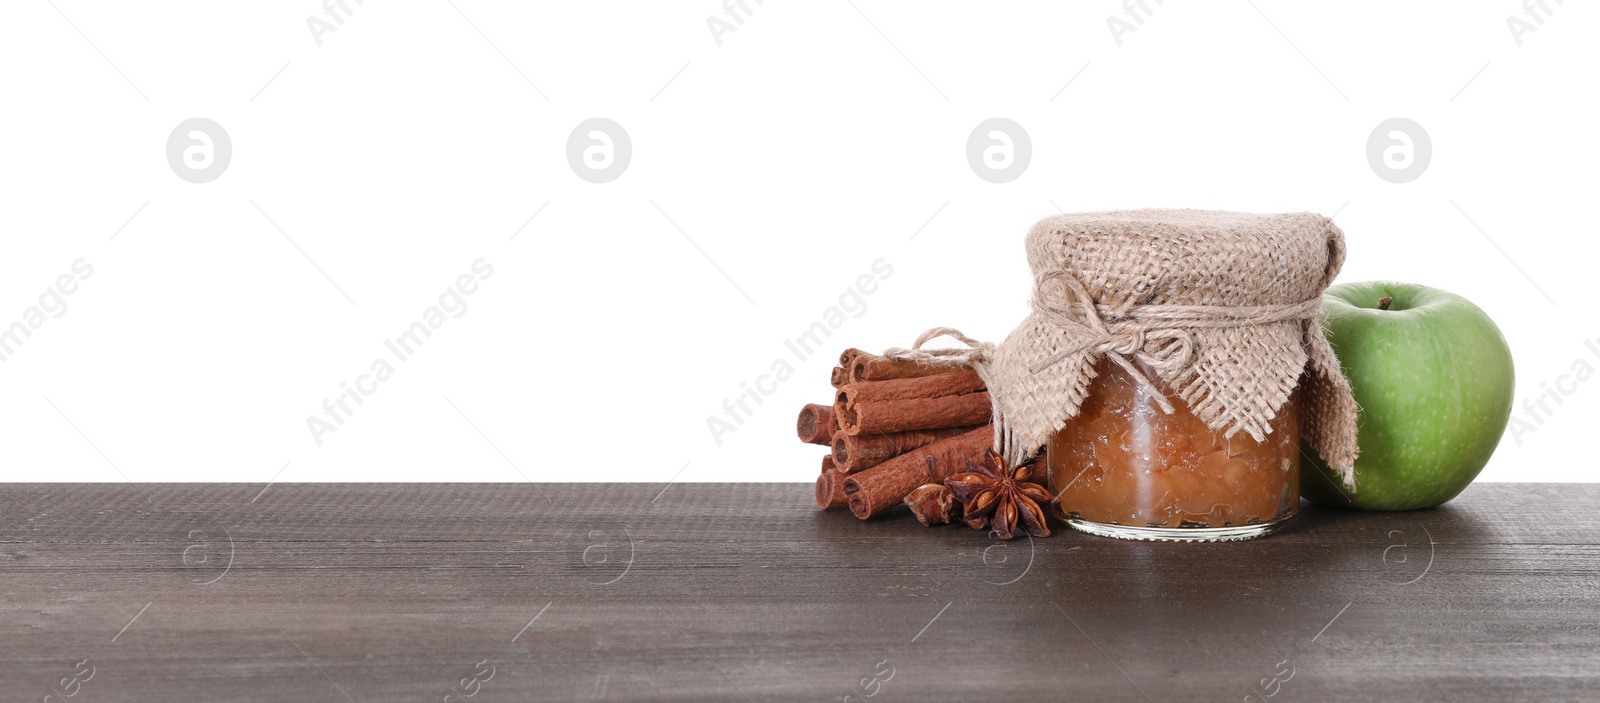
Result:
932,504
840,376
852,453
830,487
816,424
913,413
883,486
848,356
830,491
871,367
938,385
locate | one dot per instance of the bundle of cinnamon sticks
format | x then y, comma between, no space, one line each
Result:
895,426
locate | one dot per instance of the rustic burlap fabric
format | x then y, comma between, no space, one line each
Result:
1221,306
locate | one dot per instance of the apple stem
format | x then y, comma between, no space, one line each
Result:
1386,301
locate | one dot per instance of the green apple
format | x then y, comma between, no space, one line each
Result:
1433,378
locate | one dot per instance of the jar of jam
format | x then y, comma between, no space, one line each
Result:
1170,368
1122,467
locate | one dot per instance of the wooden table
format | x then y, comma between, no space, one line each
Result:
746,592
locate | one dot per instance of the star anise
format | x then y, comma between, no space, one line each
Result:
1001,497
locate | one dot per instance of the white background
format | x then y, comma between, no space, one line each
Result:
819,137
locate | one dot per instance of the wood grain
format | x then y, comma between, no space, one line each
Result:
746,592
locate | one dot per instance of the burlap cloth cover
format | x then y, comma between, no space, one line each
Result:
1221,306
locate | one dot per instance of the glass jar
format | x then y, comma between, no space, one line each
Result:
1124,468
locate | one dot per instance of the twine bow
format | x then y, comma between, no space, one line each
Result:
1157,336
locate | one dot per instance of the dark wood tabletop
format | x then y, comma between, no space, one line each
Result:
746,592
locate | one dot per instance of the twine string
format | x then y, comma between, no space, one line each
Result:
1158,336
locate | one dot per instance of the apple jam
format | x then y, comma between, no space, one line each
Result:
1124,468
